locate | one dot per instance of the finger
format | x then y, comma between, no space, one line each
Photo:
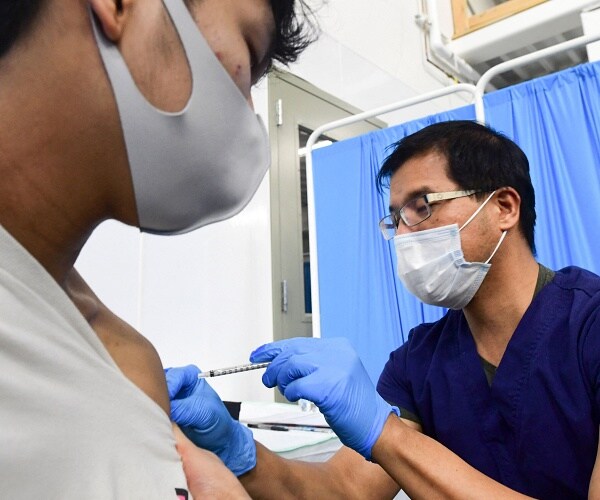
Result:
298,367
179,412
272,373
181,381
309,387
174,381
266,352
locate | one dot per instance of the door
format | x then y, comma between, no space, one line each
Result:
296,109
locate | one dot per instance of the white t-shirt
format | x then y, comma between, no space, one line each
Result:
71,424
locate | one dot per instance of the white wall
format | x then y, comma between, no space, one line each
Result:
590,21
205,297
372,54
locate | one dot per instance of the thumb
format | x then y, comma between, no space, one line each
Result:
181,381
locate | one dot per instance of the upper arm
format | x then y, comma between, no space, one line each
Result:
591,359
394,384
137,359
132,353
590,349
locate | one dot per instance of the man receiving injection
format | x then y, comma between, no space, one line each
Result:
124,110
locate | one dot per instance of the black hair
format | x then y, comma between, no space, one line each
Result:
16,17
477,157
295,27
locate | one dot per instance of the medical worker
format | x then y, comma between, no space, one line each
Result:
498,399
133,110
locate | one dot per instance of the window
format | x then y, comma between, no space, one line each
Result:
471,15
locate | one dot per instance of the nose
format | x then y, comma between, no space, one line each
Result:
403,229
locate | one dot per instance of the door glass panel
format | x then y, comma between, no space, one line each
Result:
303,135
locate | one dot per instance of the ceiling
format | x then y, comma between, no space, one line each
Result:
545,66
536,28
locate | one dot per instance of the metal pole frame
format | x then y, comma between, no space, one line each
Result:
522,61
312,224
477,91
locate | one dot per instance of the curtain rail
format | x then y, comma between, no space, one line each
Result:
477,92
522,61
312,223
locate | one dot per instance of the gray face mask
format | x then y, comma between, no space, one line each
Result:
197,166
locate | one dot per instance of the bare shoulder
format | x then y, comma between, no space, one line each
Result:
132,352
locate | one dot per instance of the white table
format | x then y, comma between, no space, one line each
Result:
301,445
310,446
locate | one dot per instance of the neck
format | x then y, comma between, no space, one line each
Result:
62,161
51,235
504,296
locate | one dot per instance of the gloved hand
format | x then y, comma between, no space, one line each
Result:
329,373
203,418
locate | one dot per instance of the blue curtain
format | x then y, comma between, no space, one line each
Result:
555,119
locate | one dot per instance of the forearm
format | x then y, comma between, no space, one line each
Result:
345,476
424,468
275,477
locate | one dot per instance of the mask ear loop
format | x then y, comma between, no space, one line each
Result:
477,211
497,246
475,215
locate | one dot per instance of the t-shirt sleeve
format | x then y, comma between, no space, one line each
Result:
394,386
591,356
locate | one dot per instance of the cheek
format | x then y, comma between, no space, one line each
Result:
478,243
238,70
433,222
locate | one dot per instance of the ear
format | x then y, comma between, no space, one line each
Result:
112,15
509,206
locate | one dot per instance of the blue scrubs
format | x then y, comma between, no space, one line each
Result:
535,429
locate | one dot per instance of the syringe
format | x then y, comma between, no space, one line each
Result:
233,369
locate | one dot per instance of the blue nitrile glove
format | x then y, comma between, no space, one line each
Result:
329,373
203,418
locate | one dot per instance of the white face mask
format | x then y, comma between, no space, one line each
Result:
197,166
432,267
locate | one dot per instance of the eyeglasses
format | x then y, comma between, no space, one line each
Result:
416,211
